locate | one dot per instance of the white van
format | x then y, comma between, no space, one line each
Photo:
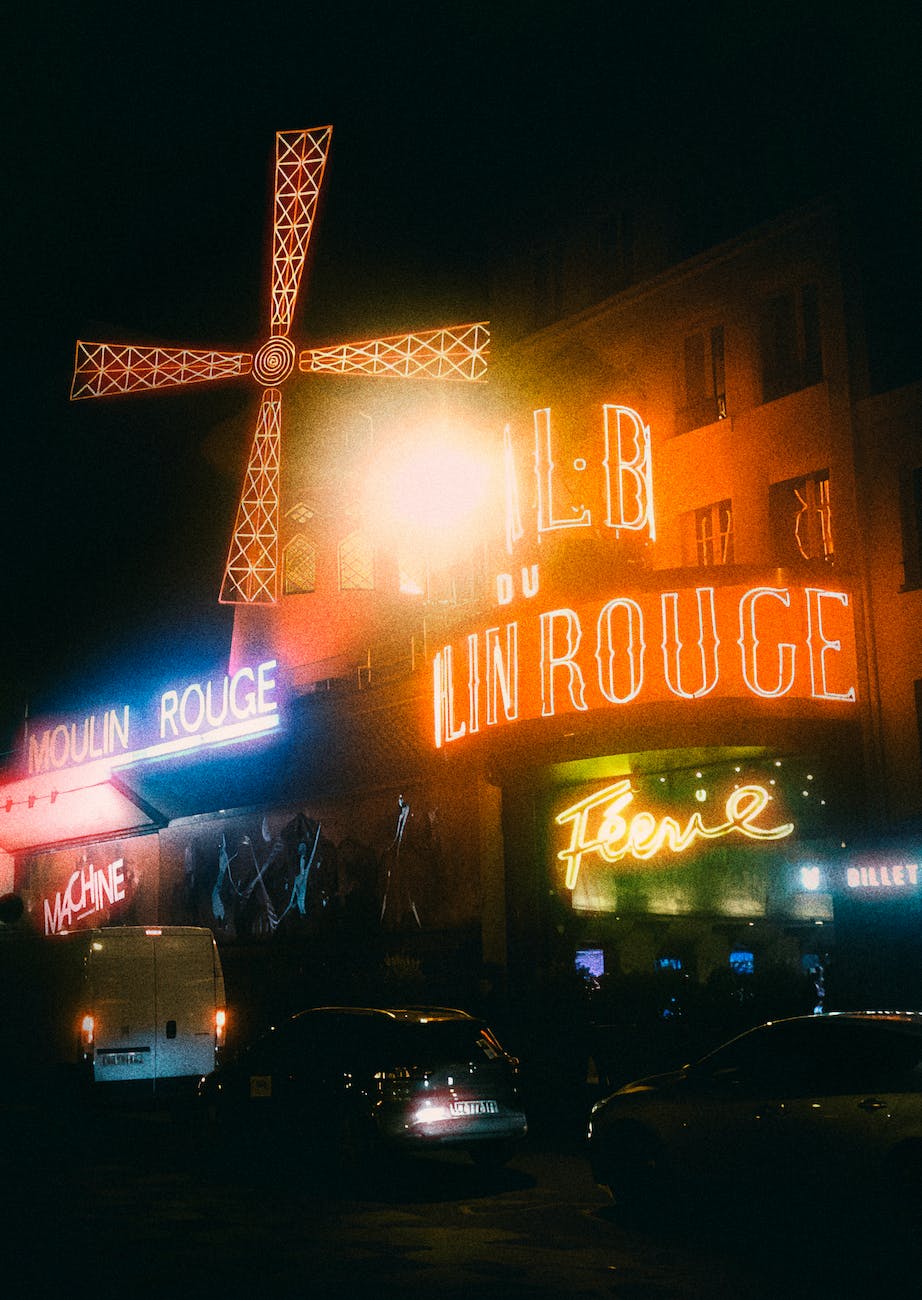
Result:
138,1004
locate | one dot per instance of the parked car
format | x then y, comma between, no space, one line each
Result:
356,1080
831,1100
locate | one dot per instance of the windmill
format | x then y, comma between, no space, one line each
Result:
103,369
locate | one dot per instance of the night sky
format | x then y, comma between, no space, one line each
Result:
138,155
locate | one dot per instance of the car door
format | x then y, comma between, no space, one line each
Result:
863,1097
728,1126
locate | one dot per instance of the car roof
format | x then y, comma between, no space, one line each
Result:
900,1017
911,1020
412,1015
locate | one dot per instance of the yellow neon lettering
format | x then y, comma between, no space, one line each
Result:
643,836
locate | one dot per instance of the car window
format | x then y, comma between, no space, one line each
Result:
821,1056
438,1042
874,1056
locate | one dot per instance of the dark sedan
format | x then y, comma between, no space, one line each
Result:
831,1101
352,1081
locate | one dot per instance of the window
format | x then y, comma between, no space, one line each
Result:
300,512
800,518
356,563
299,566
911,520
703,380
707,535
789,340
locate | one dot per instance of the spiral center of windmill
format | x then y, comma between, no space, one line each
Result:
274,361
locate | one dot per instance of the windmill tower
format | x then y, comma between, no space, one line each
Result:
251,575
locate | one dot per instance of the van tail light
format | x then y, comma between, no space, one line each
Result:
220,1027
87,1034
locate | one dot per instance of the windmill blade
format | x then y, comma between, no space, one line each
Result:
101,369
456,352
300,159
251,573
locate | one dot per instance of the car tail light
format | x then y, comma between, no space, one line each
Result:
431,1112
220,1026
87,1033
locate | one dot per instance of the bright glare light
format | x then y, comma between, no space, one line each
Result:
430,490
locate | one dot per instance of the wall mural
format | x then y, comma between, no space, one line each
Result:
250,881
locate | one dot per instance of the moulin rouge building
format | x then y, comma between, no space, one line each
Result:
658,708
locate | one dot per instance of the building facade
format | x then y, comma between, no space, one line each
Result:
652,711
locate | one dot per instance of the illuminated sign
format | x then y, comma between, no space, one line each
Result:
624,477
88,892
647,646
100,369
884,875
600,827
201,712
547,652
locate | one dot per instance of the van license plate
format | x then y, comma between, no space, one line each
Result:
474,1108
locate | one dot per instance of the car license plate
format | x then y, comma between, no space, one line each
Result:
474,1108
105,1059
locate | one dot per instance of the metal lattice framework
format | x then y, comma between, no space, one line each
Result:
104,369
458,353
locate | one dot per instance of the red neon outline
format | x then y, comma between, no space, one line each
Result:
104,369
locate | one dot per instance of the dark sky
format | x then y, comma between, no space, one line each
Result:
138,152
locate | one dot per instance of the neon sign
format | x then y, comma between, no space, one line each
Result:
626,476
200,712
599,826
645,647
87,892
892,875
101,369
